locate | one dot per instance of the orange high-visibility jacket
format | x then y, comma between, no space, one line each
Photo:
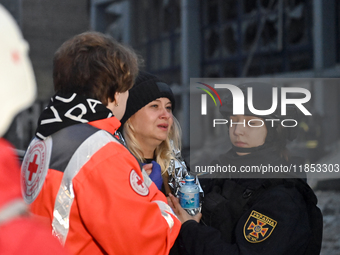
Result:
19,234
115,209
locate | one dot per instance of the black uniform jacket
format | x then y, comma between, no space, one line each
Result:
238,220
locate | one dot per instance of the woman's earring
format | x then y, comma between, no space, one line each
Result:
116,105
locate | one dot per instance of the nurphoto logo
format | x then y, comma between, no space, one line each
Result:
239,103
204,98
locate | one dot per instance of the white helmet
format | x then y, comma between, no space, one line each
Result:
17,82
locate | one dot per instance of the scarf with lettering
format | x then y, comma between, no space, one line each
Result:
69,109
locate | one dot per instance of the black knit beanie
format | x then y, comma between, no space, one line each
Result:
146,89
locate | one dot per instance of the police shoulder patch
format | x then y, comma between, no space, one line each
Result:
258,227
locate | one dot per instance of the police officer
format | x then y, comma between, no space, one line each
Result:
244,213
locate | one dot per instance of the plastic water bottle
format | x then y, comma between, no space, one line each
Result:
189,197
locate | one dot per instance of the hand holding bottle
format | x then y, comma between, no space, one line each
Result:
182,214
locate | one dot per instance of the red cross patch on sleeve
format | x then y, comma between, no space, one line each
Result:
34,168
138,184
258,227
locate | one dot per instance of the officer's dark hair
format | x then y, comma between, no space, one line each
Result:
281,142
94,65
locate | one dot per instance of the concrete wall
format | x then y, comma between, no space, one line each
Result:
46,24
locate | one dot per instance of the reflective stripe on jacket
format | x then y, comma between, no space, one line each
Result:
112,208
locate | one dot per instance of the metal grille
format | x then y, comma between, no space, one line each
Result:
252,38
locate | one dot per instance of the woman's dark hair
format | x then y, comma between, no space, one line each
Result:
94,65
281,141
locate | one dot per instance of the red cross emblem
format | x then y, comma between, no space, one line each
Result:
138,184
15,57
139,181
33,167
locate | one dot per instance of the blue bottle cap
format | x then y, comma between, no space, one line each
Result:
189,178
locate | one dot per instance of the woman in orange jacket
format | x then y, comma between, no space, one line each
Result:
77,174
